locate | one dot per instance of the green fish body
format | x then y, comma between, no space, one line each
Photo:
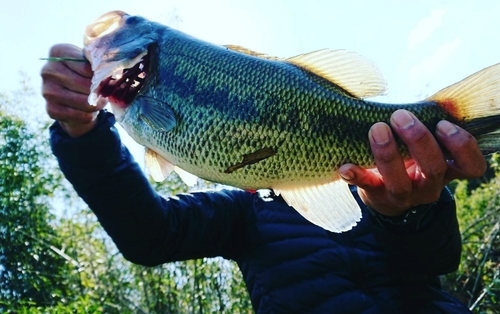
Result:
240,118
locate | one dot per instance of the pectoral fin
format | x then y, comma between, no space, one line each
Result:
330,206
157,115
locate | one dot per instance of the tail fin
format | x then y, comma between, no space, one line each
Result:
475,103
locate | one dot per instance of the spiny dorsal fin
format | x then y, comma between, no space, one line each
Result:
251,52
159,168
351,71
330,206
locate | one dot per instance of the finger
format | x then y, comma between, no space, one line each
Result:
363,178
389,162
57,95
60,73
70,116
468,161
422,146
72,51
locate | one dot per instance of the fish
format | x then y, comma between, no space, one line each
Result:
245,119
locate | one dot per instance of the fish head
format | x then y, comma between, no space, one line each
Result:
117,46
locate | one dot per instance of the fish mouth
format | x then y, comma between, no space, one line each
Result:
118,47
123,85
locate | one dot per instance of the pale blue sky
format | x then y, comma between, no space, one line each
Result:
414,43
420,46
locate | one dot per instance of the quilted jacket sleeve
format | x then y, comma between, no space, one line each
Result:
431,246
147,229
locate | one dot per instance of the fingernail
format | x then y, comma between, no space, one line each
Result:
380,134
347,175
402,119
447,128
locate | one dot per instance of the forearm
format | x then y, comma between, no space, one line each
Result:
147,228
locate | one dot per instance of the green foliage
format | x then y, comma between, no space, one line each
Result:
31,271
56,258
477,282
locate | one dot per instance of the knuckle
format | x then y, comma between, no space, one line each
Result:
387,157
50,110
50,93
53,111
436,170
419,135
50,74
60,50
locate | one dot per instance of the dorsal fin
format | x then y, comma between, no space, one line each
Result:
251,52
351,71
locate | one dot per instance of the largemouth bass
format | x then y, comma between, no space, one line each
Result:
241,118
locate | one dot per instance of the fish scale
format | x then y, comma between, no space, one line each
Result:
241,118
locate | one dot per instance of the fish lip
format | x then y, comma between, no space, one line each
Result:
104,25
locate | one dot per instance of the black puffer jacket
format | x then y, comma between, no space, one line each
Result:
289,264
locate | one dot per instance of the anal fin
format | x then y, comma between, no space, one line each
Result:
330,206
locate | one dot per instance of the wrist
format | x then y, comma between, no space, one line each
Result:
77,130
410,221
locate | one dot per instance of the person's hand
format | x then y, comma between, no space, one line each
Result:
398,185
65,87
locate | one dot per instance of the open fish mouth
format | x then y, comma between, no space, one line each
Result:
116,44
123,85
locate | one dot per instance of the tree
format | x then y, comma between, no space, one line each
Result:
31,270
55,257
477,282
